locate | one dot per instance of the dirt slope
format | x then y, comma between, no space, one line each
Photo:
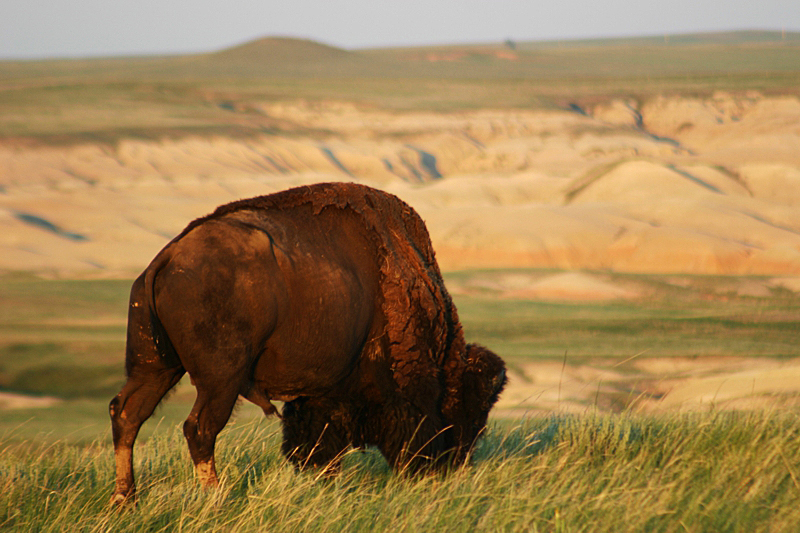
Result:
651,385
668,185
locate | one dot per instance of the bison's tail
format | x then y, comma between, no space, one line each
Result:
160,337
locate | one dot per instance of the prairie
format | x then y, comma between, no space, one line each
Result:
583,452
701,472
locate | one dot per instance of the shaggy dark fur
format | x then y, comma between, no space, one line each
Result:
327,297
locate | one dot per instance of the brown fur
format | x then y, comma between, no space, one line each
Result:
328,297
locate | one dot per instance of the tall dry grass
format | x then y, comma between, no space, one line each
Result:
615,473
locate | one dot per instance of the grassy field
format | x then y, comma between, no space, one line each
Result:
597,472
709,472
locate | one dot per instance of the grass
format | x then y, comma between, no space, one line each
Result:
709,472
597,472
701,316
62,338
525,329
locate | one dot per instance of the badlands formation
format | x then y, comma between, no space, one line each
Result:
671,184
668,185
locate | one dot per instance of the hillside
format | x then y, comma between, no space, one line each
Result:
671,184
274,49
635,59
629,155
277,56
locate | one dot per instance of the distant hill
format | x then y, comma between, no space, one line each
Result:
287,56
110,98
270,50
740,37
737,53
281,56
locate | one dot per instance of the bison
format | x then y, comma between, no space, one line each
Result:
325,297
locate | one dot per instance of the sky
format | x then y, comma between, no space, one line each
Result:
33,29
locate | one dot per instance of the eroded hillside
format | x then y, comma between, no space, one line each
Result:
667,184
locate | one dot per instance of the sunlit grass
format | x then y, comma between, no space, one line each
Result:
596,472
615,473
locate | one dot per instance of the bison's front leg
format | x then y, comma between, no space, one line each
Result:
316,433
409,439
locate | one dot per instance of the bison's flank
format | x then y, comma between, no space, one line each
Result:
326,297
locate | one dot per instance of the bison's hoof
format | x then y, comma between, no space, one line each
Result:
122,500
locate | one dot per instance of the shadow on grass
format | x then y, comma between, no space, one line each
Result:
597,434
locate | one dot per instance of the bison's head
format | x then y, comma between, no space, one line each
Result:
482,380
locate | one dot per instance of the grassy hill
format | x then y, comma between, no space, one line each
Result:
279,57
281,49
117,97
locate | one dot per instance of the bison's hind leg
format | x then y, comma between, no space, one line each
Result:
129,409
210,413
316,433
150,377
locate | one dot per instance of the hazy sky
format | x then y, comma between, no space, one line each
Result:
77,28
